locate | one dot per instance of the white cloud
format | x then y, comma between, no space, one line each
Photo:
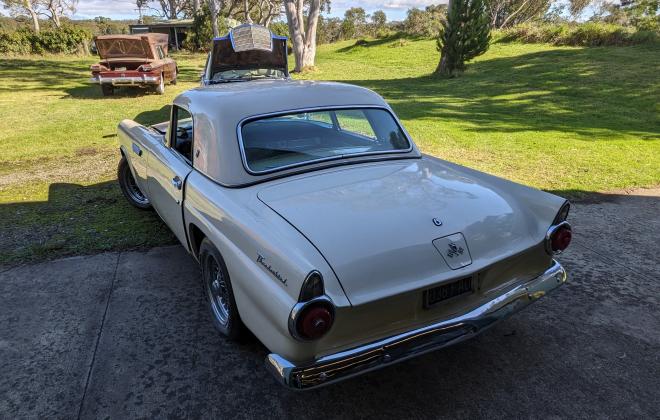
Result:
115,9
126,9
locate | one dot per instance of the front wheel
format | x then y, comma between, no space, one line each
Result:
129,187
219,293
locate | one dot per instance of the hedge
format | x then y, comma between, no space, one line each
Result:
589,34
66,40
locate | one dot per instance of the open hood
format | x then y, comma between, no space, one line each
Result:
248,47
129,46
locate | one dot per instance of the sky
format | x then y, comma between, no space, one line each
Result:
126,9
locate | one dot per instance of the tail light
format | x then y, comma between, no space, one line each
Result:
558,238
314,320
314,314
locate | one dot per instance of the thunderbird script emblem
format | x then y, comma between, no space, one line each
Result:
261,260
454,250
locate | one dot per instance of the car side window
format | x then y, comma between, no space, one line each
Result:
161,53
181,134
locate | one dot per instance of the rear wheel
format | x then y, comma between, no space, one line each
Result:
108,90
219,292
160,89
176,74
129,187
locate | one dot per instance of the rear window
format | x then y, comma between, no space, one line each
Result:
283,141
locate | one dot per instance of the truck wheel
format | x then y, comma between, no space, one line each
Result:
129,187
160,89
108,90
219,293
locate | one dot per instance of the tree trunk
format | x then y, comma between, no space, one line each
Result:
55,15
33,15
195,7
304,41
213,9
443,66
246,9
173,9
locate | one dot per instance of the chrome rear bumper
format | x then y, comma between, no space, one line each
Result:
368,357
126,81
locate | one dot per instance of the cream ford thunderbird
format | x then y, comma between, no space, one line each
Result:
321,228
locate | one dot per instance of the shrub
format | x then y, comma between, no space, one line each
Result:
424,23
66,40
585,34
14,42
594,34
200,37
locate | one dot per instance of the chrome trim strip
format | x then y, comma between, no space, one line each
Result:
241,147
345,364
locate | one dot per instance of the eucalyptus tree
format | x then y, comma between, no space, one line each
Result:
303,18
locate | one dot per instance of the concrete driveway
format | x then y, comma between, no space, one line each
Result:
126,335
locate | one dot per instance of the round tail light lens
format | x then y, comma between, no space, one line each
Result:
314,321
561,239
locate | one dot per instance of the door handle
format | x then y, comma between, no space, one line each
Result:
177,183
137,150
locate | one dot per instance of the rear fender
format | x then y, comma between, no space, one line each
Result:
243,232
137,143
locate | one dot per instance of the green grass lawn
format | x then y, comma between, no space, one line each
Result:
567,120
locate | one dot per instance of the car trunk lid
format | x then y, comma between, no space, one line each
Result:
124,47
392,227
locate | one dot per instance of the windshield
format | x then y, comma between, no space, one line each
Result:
294,139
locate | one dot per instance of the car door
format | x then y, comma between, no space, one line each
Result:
168,168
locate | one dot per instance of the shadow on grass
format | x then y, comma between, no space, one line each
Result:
38,74
56,75
363,43
74,220
583,91
153,116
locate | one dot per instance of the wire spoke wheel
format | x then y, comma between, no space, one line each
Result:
217,290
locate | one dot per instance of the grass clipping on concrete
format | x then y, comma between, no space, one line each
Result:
567,120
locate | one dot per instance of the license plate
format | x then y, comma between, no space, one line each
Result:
447,291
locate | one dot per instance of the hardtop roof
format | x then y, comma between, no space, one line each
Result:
218,111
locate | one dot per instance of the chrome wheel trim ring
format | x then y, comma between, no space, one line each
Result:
133,190
217,291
